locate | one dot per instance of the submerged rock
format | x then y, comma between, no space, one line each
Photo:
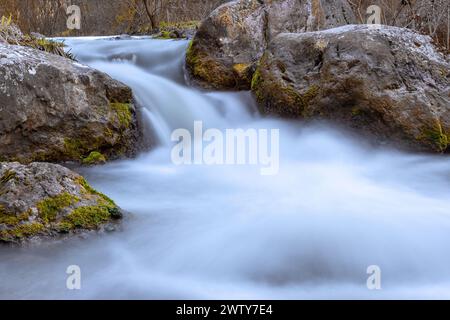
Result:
46,200
229,43
54,109
388,82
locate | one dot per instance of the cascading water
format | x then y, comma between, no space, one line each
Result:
225,232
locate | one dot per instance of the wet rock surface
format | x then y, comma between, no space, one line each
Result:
389,82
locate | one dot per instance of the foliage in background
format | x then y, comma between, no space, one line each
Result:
430,17
101,17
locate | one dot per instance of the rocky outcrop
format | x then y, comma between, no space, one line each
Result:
41,200
54,109
390,83
229,43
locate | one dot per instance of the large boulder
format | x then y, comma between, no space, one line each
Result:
54,109
42,199
389,82
229,43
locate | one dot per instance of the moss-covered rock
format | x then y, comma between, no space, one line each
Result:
56,110
45,200
386,83
212,72
94,157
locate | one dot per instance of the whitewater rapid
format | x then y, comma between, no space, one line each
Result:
336,207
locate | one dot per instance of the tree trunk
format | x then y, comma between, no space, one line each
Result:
149,14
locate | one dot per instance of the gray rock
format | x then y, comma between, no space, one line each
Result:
10,33
54,109
44,200
37,35
229,43
390,83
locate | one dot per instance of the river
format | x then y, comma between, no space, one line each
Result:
336,207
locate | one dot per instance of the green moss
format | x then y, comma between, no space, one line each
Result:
79,149
22,231
207,69
191,58
123,111
64,227
7,176
88,217
437,137
356,112
164,34
6,21
91,191
49,208
109,133
94,157
42,44
73,147
281,66
256,86
310,94
11,220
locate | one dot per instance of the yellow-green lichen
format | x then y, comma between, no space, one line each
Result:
243,73
87,189
255,85
89,217
437,137
207,69
11,219
307,97
283,99
165,34
73,147
123,111
94,157
193,24
78,149
46,45
356,112
22,231
63,227
50,207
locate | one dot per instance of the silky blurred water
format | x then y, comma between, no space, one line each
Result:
336,207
